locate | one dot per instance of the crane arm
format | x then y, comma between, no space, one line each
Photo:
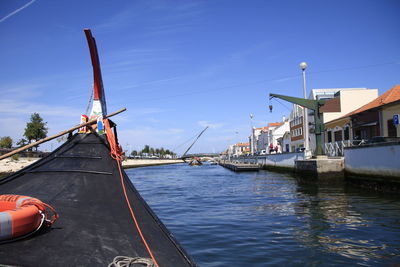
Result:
307,103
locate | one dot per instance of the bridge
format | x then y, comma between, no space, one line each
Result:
200,155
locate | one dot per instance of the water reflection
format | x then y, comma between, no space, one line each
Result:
333,222
224,218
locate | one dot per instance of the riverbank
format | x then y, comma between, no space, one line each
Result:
9,165
135,163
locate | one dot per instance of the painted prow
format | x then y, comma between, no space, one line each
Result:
99,107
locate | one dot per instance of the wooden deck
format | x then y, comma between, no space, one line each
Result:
240,167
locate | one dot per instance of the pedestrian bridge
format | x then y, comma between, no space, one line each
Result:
201,155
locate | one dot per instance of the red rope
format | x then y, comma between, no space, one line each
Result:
116,153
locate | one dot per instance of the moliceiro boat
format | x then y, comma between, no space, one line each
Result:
102,219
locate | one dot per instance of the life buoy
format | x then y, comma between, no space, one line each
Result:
22,215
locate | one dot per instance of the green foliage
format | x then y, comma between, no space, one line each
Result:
22,142
15,157
161,152
146,149
6,142
35,129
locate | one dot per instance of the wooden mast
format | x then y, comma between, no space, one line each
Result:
99,107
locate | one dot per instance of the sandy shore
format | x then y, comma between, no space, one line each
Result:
9,165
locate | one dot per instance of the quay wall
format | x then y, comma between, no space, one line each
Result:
373,160
273,161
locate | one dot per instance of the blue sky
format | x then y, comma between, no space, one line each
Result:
178,66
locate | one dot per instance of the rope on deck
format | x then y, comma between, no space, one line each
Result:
125,261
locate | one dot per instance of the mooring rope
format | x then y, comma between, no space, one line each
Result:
124,261
116,154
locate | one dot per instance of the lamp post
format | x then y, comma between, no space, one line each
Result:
252,135
303,66
237,142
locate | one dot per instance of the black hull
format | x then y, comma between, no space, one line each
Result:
81,181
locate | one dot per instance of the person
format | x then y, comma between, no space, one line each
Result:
271,148
276,149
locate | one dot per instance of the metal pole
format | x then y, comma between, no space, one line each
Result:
252,135
303,67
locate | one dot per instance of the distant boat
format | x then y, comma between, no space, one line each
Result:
195,162
101,214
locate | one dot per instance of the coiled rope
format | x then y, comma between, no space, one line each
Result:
124,261
116,153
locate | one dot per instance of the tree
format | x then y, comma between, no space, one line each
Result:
35,129
6,142
134,153
22,142
146,149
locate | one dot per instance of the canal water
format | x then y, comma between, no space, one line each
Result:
223,218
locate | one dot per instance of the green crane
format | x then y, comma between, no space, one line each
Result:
314,105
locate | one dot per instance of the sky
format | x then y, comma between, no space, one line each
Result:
179,66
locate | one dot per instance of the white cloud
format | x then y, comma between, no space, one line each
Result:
155,137
26,107
21,91
13,127
209,124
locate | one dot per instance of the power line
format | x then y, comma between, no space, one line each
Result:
270,80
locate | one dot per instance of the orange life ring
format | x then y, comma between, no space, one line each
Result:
22,215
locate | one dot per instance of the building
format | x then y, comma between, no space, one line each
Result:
278,133
262,138
375,118
239,149
339,102
286,142
296,128
267,136
257,147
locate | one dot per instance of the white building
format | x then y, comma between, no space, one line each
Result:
238,149
278,132
268,136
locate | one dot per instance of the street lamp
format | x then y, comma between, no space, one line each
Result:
303,66
252,135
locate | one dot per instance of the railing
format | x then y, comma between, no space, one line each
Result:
336,149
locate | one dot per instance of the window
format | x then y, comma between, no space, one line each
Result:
346,133
338,136
329,136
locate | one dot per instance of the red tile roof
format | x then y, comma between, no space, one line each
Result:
271,124
389,96
263,128
242,144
